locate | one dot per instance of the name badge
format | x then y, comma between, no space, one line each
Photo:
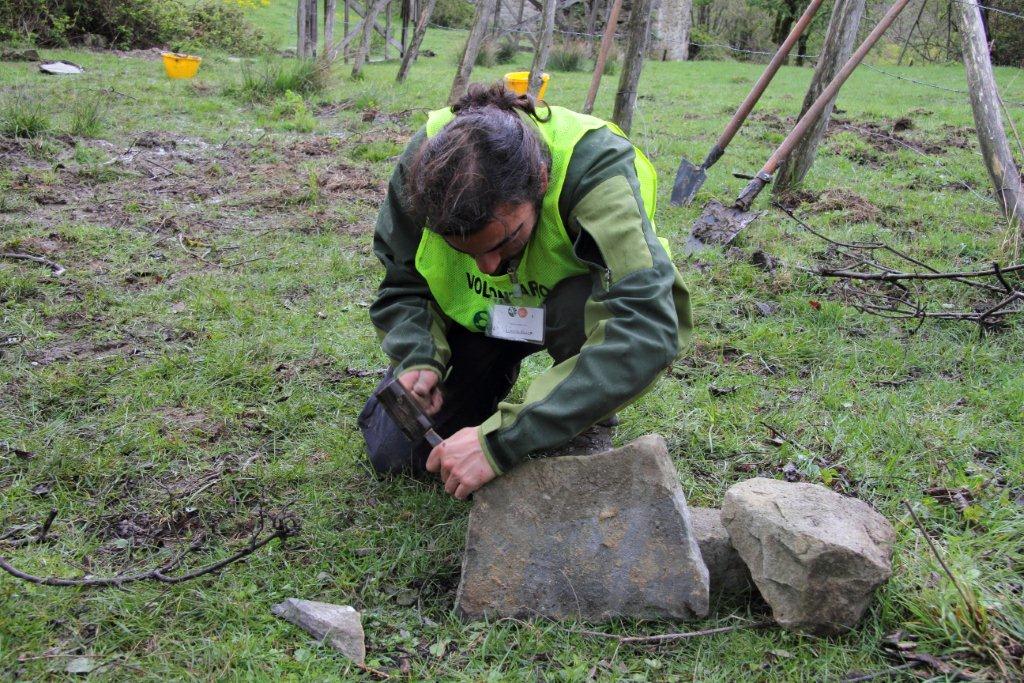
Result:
517,323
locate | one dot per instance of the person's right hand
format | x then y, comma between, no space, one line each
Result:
423,385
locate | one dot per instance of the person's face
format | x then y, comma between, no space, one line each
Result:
501,240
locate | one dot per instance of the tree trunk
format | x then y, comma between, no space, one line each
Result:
330,12
363,52
674,29
417,38
540,57
519,23
801,47
632,63
837,48
484,10
307,29
301,41
995,147
602,56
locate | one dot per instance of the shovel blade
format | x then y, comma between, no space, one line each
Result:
717,225
689,179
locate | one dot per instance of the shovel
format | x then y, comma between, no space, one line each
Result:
406,413
719,224
689,178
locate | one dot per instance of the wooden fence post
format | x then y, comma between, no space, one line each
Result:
344,50
330,13
602,55
995,147
632,63
484,10
417,38
387,28
540,56
837,48
363,52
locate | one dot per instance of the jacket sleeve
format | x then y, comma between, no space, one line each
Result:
409,323
635,320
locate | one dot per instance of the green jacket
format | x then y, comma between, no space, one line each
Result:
637,317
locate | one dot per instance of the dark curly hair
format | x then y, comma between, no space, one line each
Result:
485,157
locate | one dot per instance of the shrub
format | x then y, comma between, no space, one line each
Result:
23,117
570,56
453,14
129,23
273,78
488,55
506,52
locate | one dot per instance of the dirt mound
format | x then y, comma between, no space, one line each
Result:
857,208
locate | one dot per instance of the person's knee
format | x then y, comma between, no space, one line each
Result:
387,448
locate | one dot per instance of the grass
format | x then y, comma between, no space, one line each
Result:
208,351
569,56
23,116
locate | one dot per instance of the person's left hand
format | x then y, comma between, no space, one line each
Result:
461,462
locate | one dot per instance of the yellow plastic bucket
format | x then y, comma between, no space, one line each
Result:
180,66
519,82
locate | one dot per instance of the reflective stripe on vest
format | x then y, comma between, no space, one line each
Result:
466,294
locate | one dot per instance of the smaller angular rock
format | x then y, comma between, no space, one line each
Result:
727,572
340,626
584,537
816,556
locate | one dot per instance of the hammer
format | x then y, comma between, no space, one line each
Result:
406,413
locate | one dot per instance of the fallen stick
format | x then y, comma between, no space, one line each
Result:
283,528
665,637
57,268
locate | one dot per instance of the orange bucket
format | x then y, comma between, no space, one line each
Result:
519,82
179,65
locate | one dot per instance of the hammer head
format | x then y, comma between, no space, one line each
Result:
404,410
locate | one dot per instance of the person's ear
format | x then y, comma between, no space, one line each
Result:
543,179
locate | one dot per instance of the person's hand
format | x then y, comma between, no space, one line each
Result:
422,385
461,462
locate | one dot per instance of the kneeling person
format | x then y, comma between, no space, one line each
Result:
507,230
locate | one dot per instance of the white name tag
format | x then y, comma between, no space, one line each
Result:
517,323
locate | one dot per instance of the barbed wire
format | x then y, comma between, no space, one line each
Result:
936,86
990,8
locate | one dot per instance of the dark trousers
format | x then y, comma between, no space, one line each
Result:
481,372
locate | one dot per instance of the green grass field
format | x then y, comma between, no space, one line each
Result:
208,350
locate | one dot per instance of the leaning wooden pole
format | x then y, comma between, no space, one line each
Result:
632,63
995,146
602,55
373,8
540,55
840,38
484,10
414,47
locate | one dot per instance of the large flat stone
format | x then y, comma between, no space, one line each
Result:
727,573
590,537
816,556
340,626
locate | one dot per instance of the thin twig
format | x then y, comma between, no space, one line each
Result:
284,527
666,637
879,674
46,526
942,562
57,268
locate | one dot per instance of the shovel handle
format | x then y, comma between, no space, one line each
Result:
762,83
829,93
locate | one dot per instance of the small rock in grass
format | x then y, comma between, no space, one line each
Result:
816,556
340,626
727,573
584,537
